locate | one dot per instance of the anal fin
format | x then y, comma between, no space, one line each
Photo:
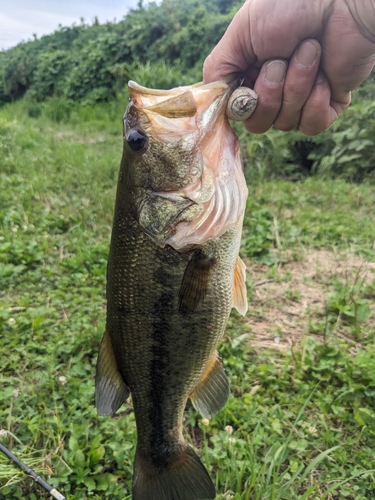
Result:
239,287
110,389
213,389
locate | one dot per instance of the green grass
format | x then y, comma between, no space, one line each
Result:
297,426
316,213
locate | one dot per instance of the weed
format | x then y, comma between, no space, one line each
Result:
297,425
293,294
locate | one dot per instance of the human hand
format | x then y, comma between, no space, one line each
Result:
302,58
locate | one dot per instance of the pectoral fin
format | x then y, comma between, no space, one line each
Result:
239,287
212,391
110,389
195,282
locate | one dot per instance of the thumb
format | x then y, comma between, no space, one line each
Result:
230,55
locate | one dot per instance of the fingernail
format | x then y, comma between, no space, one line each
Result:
306,55
275,73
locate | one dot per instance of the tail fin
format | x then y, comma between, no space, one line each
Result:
185,479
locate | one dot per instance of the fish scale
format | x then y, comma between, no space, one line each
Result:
168,305
157,313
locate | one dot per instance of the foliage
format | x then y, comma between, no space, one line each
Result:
345,300
82,62
159,76
91,76
297,426
49,75
285,216
345,151
164,45
17,70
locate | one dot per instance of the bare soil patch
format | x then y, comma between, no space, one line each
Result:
284,305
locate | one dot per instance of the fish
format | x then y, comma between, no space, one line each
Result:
174,274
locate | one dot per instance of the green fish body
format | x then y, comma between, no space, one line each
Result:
173,276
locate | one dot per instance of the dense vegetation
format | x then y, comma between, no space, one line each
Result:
299,425
92,63
164,45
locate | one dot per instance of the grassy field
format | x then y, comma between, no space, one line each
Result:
300,423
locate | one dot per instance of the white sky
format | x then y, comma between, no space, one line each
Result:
20,19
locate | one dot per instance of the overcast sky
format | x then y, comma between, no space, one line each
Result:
20,19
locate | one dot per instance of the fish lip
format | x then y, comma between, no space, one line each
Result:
130,120
147,91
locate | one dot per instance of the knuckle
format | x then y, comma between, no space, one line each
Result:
257,128
311,130
285,127
268,106
287,123
295,94
313,125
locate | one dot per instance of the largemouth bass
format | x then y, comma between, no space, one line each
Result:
174,274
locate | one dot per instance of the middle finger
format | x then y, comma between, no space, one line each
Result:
299,81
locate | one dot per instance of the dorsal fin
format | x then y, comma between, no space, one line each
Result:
239,300
212,391
110,389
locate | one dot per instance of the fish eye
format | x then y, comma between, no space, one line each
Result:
136,140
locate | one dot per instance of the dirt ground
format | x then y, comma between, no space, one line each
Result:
285,303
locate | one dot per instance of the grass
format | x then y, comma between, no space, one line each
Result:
299,425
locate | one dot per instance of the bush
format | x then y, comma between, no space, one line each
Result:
58,109
34,110
344,151
347,150
50,74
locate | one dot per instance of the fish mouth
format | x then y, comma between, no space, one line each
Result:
190,107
